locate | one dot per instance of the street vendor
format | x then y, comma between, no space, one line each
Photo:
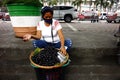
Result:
49,33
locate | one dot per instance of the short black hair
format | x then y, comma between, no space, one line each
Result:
46,9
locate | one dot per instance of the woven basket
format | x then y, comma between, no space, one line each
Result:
47,67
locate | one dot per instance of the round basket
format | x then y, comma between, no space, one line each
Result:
48,67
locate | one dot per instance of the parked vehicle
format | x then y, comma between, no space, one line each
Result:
118,16
81,17
117,20
103,16
88,15
66,13
6,17
113,17
1,15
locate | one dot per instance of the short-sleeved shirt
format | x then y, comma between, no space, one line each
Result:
46,31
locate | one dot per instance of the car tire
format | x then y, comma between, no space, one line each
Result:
68,18
3,19
114,21
109,21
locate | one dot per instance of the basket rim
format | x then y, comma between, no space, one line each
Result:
48,67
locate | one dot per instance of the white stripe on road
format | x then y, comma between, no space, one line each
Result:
74,29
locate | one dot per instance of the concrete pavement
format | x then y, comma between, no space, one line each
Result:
93,55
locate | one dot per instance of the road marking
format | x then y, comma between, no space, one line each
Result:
74,29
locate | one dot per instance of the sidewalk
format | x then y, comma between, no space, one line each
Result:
93,55
89,35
